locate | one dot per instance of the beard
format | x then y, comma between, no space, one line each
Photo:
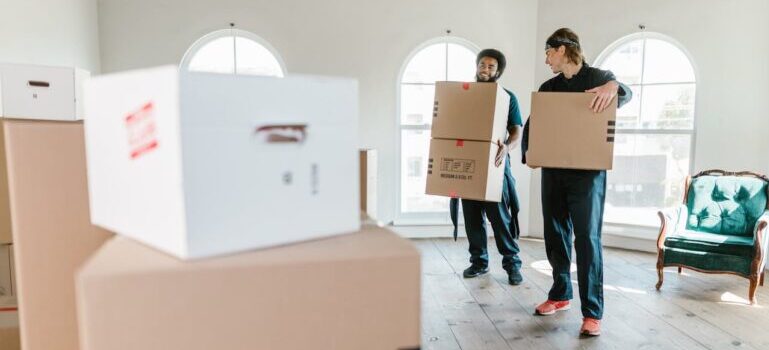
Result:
478,79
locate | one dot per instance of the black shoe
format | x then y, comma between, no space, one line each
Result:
514,276
475,271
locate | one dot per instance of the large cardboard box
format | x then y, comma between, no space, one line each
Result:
368,182
51,227
464,169
470,111
357,291
565,133
41,92
203,164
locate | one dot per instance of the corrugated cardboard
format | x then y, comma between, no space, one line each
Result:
5,209
470,111
203,164
368,182
565,133
356,291
51,227
41,92
464,169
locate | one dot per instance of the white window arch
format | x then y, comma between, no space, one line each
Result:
445,58
233,51
654,147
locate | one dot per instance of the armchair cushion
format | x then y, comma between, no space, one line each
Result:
711,243
725,205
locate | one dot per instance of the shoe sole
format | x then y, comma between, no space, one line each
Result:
567,307
590,334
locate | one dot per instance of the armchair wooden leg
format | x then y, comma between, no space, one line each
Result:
761,281
752,290
660,275
680,269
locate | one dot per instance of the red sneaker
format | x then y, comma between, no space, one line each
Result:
552,306
590,326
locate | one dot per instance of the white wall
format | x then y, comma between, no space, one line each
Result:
728,42
368,40
50,32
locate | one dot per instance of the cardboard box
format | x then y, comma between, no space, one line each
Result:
356,291
565,133
9,324
7,283
470,111
5,207
368,182
464,169
203,164
41,92
51,227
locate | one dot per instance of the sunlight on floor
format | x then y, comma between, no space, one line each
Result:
543,267
730,298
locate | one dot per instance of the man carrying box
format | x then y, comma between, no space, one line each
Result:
503,215
573,199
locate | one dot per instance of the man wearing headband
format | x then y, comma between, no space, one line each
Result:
573,200
503,215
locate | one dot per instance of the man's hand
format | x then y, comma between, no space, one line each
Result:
501,153
604,95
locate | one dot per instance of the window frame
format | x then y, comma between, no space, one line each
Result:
231,32
613,47
418,218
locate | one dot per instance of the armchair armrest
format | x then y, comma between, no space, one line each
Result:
761,239
671,221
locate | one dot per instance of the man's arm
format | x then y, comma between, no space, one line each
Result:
509,144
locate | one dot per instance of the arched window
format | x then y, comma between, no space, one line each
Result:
446,58
233,51
654,147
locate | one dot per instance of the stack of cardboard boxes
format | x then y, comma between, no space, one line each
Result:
468,120
52,234
191,168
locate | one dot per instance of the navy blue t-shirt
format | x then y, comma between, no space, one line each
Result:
514,115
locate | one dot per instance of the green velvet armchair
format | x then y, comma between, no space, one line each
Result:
721,227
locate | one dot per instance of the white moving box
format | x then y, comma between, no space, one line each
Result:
204,164
41,92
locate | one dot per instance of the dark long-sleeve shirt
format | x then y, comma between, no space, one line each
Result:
586,79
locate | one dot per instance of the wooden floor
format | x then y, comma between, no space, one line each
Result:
692,311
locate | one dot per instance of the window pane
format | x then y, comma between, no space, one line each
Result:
255,59
629,116
461,64
417,104
415,148
668,107
665,63
216,56
626,62
427,66
648,174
